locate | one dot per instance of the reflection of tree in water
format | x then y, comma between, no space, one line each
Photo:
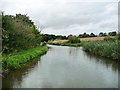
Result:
107,62
16,77
73,50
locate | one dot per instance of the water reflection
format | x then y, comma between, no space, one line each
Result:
65,67
107,62
14,78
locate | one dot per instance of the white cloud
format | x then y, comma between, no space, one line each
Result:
67,16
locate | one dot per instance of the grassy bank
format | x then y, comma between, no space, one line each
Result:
64,43
14,61
108,49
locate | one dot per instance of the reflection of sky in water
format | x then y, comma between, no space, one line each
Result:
69,67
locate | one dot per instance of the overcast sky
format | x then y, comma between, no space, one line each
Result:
64,17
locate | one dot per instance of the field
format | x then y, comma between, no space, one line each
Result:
94,38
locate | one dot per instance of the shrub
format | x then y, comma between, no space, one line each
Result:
109,39
73,39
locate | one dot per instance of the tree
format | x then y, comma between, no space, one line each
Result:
19,32
92,35
112,33
74,39
104,34
101,34
84,35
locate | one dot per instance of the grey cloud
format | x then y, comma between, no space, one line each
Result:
67,17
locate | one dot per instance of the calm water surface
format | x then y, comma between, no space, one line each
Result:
65,67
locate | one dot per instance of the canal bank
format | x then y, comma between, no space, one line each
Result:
16,60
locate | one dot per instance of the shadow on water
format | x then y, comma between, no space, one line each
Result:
98,59
107,62
16,76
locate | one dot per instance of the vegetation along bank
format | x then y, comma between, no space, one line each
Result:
14,61
107,47
20,41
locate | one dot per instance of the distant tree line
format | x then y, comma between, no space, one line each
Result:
114,33
46,37
18,33
84,35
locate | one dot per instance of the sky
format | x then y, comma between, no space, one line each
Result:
65,17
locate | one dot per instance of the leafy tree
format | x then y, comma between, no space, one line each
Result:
19,32
73,39
92,35
112,33
84,35
104,34
46,37
101,34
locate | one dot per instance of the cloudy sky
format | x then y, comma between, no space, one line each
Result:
64,17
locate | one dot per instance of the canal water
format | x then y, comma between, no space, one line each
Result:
65,67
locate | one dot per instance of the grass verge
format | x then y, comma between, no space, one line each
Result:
14,61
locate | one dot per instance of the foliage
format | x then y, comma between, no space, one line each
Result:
19,32
102,34
118,36
47,37
73,39
64,43
114,33
107,49
109,39
14,61
92,35
84,35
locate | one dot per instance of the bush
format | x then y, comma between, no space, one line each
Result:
73,39
109,39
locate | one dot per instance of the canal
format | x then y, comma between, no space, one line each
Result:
65,67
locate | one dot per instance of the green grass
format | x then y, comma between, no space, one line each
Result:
14,61
108,49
